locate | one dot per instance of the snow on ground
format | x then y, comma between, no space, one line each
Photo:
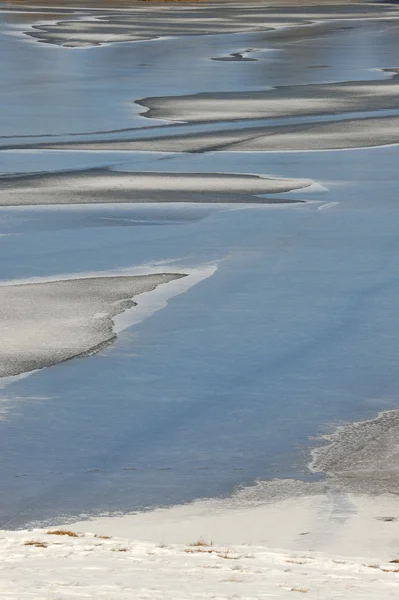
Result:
92,562
36,565
288,514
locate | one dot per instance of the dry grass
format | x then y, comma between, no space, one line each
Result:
299,589
395,561
390,570
384,570
119,549
102,537
63,532
36,543
199,550
201,542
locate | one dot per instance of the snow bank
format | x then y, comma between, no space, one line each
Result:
37,565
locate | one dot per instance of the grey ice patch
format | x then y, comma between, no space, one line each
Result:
274,490
43,324
282,101
102,186
334,135
362,457
151,22
283,24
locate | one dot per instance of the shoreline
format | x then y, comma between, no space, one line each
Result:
333,547
334,523
340,513
343,513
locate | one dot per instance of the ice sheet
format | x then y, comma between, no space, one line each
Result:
43,324
105,187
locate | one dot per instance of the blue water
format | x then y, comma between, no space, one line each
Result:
296,330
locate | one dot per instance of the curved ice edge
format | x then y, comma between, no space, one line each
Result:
344,439
148,303
346,149
27,36
302,150
313,187
6,381
145,304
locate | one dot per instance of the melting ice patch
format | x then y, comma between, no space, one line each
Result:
47,322
99,186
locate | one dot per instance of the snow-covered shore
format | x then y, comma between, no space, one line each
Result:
193,552
333,522
37,565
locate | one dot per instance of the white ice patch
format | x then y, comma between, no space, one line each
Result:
79,326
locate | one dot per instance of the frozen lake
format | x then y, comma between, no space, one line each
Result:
291,329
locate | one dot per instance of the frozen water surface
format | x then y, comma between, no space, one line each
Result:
293,327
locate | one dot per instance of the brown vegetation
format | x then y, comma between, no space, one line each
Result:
199,550
36,543
390,570
63,532
201,542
